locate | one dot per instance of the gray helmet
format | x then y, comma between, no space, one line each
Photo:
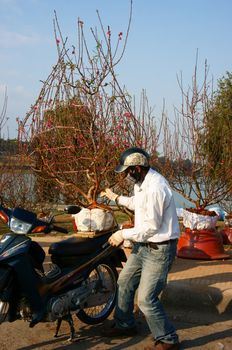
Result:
132,157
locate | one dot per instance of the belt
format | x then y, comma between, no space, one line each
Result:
154,245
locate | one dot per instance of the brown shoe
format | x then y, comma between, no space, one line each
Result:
163,346
119,332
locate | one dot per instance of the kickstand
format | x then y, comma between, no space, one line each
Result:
69,319
58,324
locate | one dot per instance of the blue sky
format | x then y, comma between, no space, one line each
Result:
163,40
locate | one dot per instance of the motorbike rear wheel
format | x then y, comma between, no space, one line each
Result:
103,279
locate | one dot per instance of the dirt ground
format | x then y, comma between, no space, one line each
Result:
18,336
215,334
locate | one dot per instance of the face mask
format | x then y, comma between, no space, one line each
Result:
130,179
135,175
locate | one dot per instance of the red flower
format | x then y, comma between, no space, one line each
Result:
120,35
58,41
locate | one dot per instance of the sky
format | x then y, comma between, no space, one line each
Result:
165,36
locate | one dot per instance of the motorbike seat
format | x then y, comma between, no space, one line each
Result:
78,246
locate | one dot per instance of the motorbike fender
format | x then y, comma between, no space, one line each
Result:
5,273
6,279
116,258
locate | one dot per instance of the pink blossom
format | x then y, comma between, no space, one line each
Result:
49,124
127,115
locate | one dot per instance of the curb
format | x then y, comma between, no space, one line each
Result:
200,289
199,304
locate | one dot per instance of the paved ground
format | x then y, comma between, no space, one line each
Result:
17,336
198,300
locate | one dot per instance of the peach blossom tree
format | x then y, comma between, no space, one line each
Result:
83,118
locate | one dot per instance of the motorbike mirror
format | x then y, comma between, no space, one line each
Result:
72,209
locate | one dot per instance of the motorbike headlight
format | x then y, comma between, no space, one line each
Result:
20,227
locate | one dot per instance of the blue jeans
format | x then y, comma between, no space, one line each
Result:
146,270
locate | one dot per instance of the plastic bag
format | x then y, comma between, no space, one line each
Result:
94,220
199,222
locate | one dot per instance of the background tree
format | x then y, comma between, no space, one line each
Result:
16,184
83,118
190,162
217,139
3,120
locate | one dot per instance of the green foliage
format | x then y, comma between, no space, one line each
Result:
217,143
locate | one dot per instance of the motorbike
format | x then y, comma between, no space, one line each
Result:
81,281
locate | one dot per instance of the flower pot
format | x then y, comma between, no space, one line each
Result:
199,219
201,244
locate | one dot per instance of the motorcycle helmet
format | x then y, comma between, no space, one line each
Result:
131,157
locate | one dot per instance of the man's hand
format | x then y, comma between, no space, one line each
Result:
109,194
116,239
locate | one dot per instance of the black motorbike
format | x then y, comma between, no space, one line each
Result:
81,281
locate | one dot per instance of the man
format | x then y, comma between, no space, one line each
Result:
155,234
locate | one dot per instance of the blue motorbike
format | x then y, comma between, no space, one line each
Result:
82,279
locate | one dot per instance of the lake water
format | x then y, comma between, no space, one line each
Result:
181,202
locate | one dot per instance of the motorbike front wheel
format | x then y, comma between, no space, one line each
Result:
102,282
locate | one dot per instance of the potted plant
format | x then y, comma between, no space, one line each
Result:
200,239
83,119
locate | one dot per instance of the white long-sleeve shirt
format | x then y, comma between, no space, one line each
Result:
154,210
